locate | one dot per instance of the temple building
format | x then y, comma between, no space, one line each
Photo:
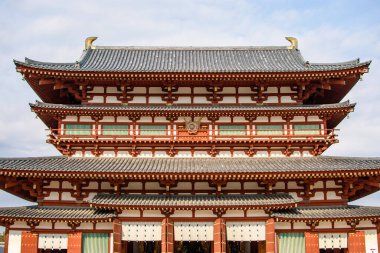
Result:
191,149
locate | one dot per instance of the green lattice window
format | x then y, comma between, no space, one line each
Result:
307,129
290,241
232,129
115,129
152,129
95,243
269,130
76,129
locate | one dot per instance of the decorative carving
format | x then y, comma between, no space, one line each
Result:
169,88
192,125
259,95
251,151
73,225
213,151
125,89
77,191
308,189
214,88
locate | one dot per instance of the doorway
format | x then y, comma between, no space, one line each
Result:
141,247
192,247
246,247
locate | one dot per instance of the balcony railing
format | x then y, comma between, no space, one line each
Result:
201,135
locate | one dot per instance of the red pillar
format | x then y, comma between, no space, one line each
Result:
117,236
356,242
311,242
167,236
29,242
74,243
269,236
220,236
6,240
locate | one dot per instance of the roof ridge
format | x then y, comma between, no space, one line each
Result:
183,48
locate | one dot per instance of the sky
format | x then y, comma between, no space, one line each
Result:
46,30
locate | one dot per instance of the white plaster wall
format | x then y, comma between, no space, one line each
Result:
256,213
203,186
300,225
153,186
153,213
97,99
107,119
233,186
282,225
123,119
52,196
332,195
234,213
20,224
183,100
61,225
104,226
86,119
182,213
130,213
366,223
182,186
138,90
138,100
53,184
204,213
324,224
245,100
86,226
112,99
44,225
134,186
341,224
66,196
318,196
156,100
201,100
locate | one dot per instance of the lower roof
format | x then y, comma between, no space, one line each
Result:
249,201
187,168
328,213
40,213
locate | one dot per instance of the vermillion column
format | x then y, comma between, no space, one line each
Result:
356,242
167,236
311,242
220,236
269,236
6,240
117,236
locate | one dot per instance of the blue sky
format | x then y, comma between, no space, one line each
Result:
328,31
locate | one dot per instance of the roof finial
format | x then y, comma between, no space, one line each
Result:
88,42
293,41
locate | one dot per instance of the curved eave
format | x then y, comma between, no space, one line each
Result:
311,74
194,207
48,112
203,176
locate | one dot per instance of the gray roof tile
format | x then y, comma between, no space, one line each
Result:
192,60
193,201
54,213
178,108
328,213
178,165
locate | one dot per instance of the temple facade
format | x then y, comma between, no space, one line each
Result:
187,149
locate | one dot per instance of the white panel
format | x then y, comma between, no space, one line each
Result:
104,225
366,223
332,240
135,186
193,231
86,226
245,99
52,241
256,213
201,100
298,119
204,213
97,89
67,196
184,90
156,100
341,224
245,231
202,186
86,119
233,186
332,195
198,90
139,90
153,186
14,241
182,213
318,196
277,119
152,213
123,119
324,224
228,100
287,99
282,225
138,100
286,90
155,90
61,225
96,99
300,225
20,224
182,186
234,213
141,231
130,213
44,225
183,100
371,241
271,99
52,196
112,99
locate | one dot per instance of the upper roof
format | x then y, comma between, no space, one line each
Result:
192,60
164,109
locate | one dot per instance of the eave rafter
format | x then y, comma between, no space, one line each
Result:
260,76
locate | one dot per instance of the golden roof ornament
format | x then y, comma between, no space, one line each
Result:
88,42
293,42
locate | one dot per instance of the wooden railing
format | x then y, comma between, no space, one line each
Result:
201,135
